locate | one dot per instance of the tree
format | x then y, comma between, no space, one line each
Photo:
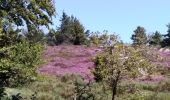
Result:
95,38
103,39
78,33
8,35
155,39
29,12
18,59
125,61
71,30
166,41
139,37
51,37
35,35
64,28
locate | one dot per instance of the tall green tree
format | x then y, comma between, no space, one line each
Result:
166,41
155,38
139,37
71,30
78,34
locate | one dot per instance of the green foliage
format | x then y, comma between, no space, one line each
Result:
8,35
33,12
60,88
28,54
103,39
72,87
139,37
2,92
94,39
28,13
71,30
53,38
155,39
125,61
19,63
166,41
83,91
35,35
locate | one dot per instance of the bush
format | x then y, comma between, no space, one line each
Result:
27,54
19,63
164,86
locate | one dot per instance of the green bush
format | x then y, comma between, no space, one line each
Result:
27,54
19,63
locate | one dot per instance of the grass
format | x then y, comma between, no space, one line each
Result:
64,88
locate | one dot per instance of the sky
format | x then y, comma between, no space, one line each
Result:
117,16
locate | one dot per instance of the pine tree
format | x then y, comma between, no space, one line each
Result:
166,40
155,39
71,30
139,37
78,33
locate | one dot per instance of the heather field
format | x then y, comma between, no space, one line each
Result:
78,60
63,60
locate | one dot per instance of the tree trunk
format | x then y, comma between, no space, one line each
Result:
114,85
75,96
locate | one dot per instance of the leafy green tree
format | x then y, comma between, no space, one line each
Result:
8,35
94,38
19,58
71,30
35,35
125,61
30,12
139,37
155,39
103,38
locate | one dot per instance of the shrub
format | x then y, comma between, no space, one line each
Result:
125,61
164,86
19,63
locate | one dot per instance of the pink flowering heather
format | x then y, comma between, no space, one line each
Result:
69,60
162,60
151,79
77,60
165,56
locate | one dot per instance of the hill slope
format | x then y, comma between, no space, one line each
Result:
69,60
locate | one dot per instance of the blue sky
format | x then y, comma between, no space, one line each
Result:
119,16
